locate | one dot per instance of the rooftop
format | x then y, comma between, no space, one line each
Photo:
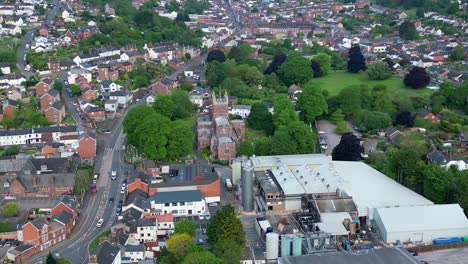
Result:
177,196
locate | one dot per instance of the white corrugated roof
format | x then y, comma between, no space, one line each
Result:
421,218
333,223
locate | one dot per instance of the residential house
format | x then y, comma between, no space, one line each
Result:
240,110
447,160
14,93
109,86
54,66
163,87
87,146
9,108
426,114
392,135
89,94
95,113
165,224
22,252
42,87
179,203
75,72
106,253
5,68
111,106
12,79
55,113
49,98
122,98
150,100
107,72
44,30
52,149
134,253
38,135
147,230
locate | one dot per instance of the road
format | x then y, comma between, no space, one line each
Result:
29,35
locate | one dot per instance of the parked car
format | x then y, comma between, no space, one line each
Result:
8,244
200,242
122,191
201,217
100,222
207,216
113,175
120,203
111,200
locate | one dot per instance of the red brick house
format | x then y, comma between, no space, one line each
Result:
49,98
44,31
126,66
67,204
107,72
88,94
426,114
163,87
9,108
95,113
87,147
55,113
54,66
43,86
52,148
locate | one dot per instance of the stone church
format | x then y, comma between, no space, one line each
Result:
216,132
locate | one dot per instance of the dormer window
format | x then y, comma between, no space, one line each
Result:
43,167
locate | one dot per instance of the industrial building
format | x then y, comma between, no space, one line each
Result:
337,204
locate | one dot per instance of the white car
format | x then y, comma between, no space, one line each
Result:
207,216
122,191
100,222
201,217
114,175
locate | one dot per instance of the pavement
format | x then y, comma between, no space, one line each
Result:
333,138
447,256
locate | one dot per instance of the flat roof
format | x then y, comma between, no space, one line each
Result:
333,223
391,255
415,218
317,173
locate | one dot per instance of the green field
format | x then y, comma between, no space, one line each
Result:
337,80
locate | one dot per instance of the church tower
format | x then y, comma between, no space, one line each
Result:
220,105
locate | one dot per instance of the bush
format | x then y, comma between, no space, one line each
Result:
10,209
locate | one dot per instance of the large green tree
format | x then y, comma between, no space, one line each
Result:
201,257
185,226
295,138
379,71
226,234
356,62
436,183
408,31
153,132
295,70
164,105
283,111
184,106
323,61
458,53
370,120
179,245
180,140
311,103
260,118
10,209
133,118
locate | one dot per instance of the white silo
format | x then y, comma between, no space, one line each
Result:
272,244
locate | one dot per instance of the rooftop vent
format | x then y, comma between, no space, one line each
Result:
302,177
305,182
284,179
323,179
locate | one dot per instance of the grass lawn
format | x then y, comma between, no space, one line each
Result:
337,80
69,120
95,243
251,134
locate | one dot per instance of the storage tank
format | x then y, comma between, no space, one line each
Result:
237,168
247,188
272,240
297,246
285,246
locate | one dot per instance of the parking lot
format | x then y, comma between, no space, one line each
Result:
447,256
332,137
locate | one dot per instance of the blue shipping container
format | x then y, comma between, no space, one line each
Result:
442,241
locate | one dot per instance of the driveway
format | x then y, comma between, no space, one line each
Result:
333,138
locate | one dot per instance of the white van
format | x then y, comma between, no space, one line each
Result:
100,222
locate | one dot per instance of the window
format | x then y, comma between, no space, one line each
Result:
182,203
166,204
189,203
226,151
174,211
182,211
174,204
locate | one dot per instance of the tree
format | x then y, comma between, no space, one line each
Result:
417,78
251,75
349,148
201,257
133,118
295,70
260,118
215,73
370,120
284,111
356,61
58,85
323,61
379,71
436,183
179,245
185,226
457,53
349,100
389,62
342,127
240,53
50,259
140,81
312,103
405,118
277,61
226,234
246,148
75,89
337,116
10,209
164,105
408,31
295,138
184,106
180,140
215,55
420,12
152,136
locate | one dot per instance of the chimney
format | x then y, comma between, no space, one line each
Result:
93,259
34,181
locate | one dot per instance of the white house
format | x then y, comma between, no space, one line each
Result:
165,224
109,86
179,202
122,98
150,99
196,99
240,110
12,79
147,230
5,68
75,72
458,162
111,105
134,253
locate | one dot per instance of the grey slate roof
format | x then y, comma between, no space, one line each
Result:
134,248
63,217
437,157
106,253
138,198
178,196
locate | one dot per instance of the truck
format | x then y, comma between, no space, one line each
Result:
228,184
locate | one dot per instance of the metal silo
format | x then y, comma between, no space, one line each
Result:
297,246
272,241
285,246
247,188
